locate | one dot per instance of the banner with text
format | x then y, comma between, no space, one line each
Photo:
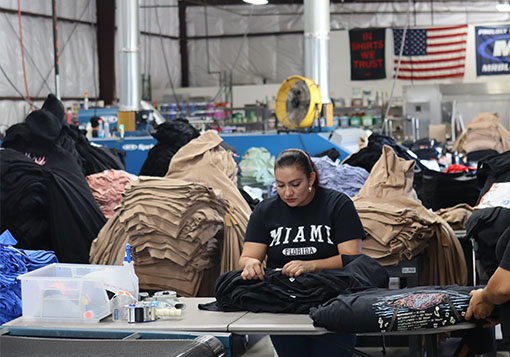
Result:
492,50
367,54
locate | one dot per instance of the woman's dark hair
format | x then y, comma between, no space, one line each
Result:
299,158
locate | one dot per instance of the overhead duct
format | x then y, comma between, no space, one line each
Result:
128,36
317,27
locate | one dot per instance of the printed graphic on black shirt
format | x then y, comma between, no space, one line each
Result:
420,310
314,234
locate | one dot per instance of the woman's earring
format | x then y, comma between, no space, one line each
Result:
309,188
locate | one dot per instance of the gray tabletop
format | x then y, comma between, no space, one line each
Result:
193,320
275,324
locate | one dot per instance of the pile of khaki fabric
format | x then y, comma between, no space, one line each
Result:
485,132
173,222
171,225
204,160
107,188
456,216
399,227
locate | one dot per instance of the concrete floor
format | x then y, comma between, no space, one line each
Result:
260,346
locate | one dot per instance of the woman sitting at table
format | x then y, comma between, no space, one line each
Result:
497,291
304,229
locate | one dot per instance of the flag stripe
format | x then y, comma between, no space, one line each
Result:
433,57
432,65
447,28
433,77
430,61
417,69
446,40
450,51
447,35
445,43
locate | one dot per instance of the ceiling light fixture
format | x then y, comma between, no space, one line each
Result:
256,2
503,6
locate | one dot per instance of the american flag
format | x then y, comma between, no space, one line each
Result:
431,53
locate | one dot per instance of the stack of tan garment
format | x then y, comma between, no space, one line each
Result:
456,216
204,160
107,188
170,224
399,227
485,132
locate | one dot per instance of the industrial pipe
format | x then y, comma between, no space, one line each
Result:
128,36
317,27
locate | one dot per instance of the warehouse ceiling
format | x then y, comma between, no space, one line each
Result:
297,2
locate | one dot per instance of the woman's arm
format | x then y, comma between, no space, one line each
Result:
251,260
496,292
298,267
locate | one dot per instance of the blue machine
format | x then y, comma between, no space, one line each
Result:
136,148
313,143
108,114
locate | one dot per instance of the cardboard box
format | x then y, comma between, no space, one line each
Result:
437,132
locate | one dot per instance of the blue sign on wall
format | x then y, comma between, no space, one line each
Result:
492,50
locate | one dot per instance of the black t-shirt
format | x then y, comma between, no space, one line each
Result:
503,256
304,233
503,249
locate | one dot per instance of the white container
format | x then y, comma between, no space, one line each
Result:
67,292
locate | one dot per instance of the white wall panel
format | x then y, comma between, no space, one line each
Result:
69,9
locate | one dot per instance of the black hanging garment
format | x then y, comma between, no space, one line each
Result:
384,310
332,153
492,169
46,127
438,190
427,149
171,136
97,159
486,226
47,204
368,156
279,293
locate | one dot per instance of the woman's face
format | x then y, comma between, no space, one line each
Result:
293,185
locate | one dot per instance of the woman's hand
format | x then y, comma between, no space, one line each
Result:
478,307
295,268
253,269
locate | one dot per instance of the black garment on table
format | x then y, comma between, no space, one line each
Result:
97,159
171,136
332,153
492,169
479,155
383,310
427,149
304,233
90,159
252,202
368,156
438,190
486,226
279,293
48,205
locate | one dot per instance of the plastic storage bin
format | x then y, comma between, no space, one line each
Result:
68,292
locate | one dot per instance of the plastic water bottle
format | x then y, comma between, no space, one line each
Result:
129,264
86,101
